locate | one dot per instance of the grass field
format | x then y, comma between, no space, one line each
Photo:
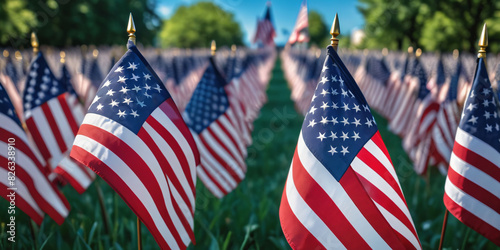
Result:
247,218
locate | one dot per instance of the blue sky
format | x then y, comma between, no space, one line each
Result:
284,13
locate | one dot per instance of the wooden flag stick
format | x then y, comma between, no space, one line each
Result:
104,213
139,237
443,230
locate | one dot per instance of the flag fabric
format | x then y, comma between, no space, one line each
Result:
134,137
90,82
53,121
214,125
342,190
300,32
472,188
265,30
30,189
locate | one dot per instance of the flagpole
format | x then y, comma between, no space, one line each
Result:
483,44
131,37
335,31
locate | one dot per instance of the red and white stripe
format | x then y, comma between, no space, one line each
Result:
222,155
154,171
265,32
53,126
35,195
404,106
15,97
365,209
301,24
472,188
444,131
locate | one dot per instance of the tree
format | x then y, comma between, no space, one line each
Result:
15,20
196,25
318,30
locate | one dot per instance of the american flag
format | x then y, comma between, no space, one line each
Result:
265,30
342,190
53,121
90,82
34,194
300,32
134,137
213,122
472,189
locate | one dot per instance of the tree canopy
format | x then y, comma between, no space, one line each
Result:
318,31
196,25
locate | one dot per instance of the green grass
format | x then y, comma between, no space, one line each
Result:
248,217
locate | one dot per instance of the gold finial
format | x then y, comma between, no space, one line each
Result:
335,31
418,53
18,55
34,42
410,50
233,49
62,54
213,47
5,53
385,52
131,28
456,53
318,53
483,43
95,53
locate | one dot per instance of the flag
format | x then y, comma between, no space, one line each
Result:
90,82
472,188
213,122
265,30
342,190
134,137
300,32
52,120
23,179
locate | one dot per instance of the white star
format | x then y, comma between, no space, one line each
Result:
324,68
471,106
147,87
96,98
312,110
321,136
119,69
334,106
134,113
157,88
99,107
346,106
314,97
473,119
487,115
355,136
334,120
334,92
332,150
471,93
497,127
324,92
324,79
334,78
345,121
344,93
135,78
121,113
325,105
489,128
137,89
122,79
356,122
366,108
124,90
350,93
311,123
106,83
368,122
486,91
147,95
345,136
147,76
333,135
127,101
341,81
140,103
486,103
113,103
110,92
356,107
324,121
344,150
132,66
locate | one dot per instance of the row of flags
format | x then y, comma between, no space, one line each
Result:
447,116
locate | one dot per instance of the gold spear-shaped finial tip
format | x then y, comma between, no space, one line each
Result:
95,53
34,42
233,47
131,28
483,43
385,52
62,54
410,50
335,31
456,53
213,47
418,53
5,53
18,55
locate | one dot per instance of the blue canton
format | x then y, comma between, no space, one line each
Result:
378,69
66,80
419,72
6,107
130,92
481,115
339,121
209,100
41,84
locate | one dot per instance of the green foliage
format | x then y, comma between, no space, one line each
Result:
65,22
318,30
15,20
196,25
433,25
